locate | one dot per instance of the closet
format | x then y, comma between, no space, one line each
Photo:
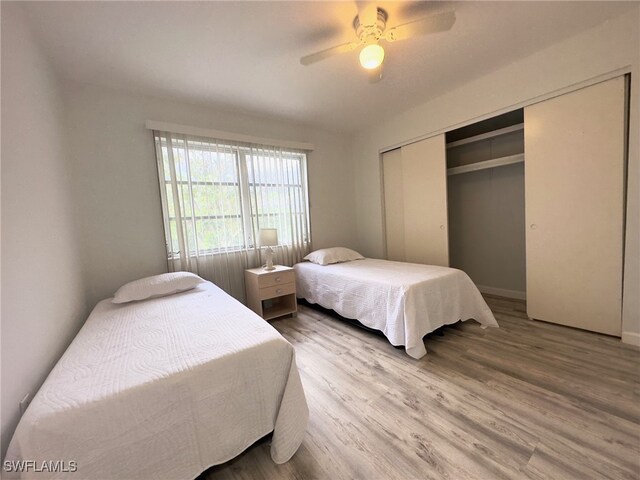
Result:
485,167
530,201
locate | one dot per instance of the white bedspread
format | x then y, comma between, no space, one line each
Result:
405,301
165,388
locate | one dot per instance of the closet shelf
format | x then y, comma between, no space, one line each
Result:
494,162
485,136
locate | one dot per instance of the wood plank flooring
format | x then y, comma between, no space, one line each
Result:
529,400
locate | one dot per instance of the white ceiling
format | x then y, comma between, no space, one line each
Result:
245,55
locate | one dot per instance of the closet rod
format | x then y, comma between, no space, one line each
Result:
484,136
493,163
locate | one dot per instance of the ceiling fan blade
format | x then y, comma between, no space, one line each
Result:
329,52
367,13
375,75
432,24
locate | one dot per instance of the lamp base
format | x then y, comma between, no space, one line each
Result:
269,254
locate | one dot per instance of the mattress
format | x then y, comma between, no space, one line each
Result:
405,301
164,388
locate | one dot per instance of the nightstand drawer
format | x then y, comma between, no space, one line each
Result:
276,278
277,291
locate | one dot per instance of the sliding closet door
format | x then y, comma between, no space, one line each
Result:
424,167
394,204
415,186
574,186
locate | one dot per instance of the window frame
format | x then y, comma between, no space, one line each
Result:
242,156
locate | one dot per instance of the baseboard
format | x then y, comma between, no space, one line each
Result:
631,338
502,292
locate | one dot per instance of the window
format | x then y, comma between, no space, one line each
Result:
216,195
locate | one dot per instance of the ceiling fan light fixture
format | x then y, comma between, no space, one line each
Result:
371,56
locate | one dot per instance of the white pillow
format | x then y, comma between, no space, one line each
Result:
327,256
157,286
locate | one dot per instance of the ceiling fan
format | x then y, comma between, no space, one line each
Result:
370,26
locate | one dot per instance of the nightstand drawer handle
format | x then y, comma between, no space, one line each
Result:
277,279
278,290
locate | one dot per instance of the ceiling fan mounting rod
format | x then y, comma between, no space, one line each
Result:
371,33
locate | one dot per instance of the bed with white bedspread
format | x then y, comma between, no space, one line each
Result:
165,388
405,301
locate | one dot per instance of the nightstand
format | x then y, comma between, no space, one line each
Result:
271,293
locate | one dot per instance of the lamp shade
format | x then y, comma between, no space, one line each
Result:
268,237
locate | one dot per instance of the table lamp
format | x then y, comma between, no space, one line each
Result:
268,237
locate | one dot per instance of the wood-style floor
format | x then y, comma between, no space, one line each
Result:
527,400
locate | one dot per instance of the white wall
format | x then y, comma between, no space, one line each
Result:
43,302
610,46
116,187
487,228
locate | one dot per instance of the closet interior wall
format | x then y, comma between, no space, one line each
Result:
487,214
